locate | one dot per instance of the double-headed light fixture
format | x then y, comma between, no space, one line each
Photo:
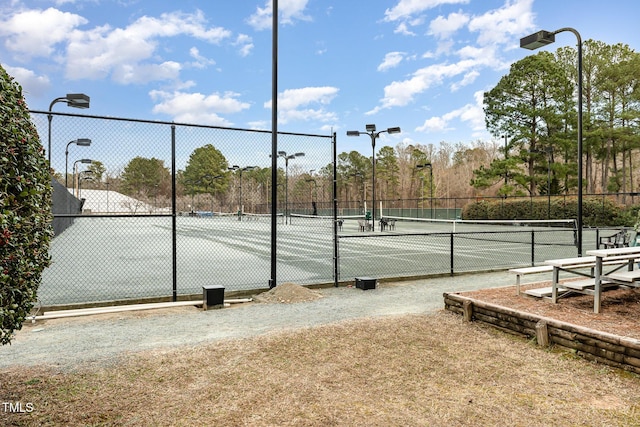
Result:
371,131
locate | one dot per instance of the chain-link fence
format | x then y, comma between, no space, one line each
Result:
146,209
156,209
408,254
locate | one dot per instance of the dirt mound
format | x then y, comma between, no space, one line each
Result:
288,293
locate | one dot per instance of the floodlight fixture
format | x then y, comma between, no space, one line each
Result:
537,40
394,130
78,100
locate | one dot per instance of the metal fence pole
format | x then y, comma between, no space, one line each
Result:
336,271
174,236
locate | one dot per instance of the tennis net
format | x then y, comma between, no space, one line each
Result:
460,225
322,220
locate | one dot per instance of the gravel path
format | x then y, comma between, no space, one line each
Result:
102,339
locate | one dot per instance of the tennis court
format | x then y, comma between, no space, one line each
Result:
114,258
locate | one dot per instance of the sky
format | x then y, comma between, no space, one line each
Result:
421,65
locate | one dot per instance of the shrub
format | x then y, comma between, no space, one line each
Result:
25,209
596,211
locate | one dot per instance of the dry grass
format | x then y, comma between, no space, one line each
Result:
414,370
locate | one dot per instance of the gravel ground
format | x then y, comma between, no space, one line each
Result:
102,339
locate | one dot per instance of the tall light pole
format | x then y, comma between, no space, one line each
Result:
75,167
82,142
286,158
543,38
506,156
240,170
314,203
75,100
371,131
430,166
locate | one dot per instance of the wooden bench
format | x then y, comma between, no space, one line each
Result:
623,276
519,272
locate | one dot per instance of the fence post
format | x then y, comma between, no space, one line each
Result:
336,247
174,243
451,251
533,248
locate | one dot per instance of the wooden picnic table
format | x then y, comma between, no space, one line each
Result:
629,278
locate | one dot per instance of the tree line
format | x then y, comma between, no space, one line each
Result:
531,113
534,107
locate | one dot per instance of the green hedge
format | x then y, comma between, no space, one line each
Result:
596,211
25,209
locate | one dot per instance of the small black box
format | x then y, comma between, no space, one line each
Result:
213,296
365,283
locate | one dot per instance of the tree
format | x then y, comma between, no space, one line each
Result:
530,104
143,177
25,209
387,170
97,170
204,165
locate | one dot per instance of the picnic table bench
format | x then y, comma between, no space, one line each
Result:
630,277
589,285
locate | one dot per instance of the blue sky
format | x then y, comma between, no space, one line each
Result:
422,65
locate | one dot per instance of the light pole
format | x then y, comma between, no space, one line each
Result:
371,131
75,100
208,183
286,158
543,38
240,170
430,166
82,142
85,177
506,156
549,151
314,203
75,166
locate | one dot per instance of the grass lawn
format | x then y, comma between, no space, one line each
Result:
430,370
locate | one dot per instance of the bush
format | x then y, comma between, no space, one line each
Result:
596,211
25,209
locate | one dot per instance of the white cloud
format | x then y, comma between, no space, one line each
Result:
123,53
401,93
197,107
501,25
406,8
245,43
30,82
288,10
292,104
468,78
391,60
35,32
200,61
444,27
471,113
402,28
